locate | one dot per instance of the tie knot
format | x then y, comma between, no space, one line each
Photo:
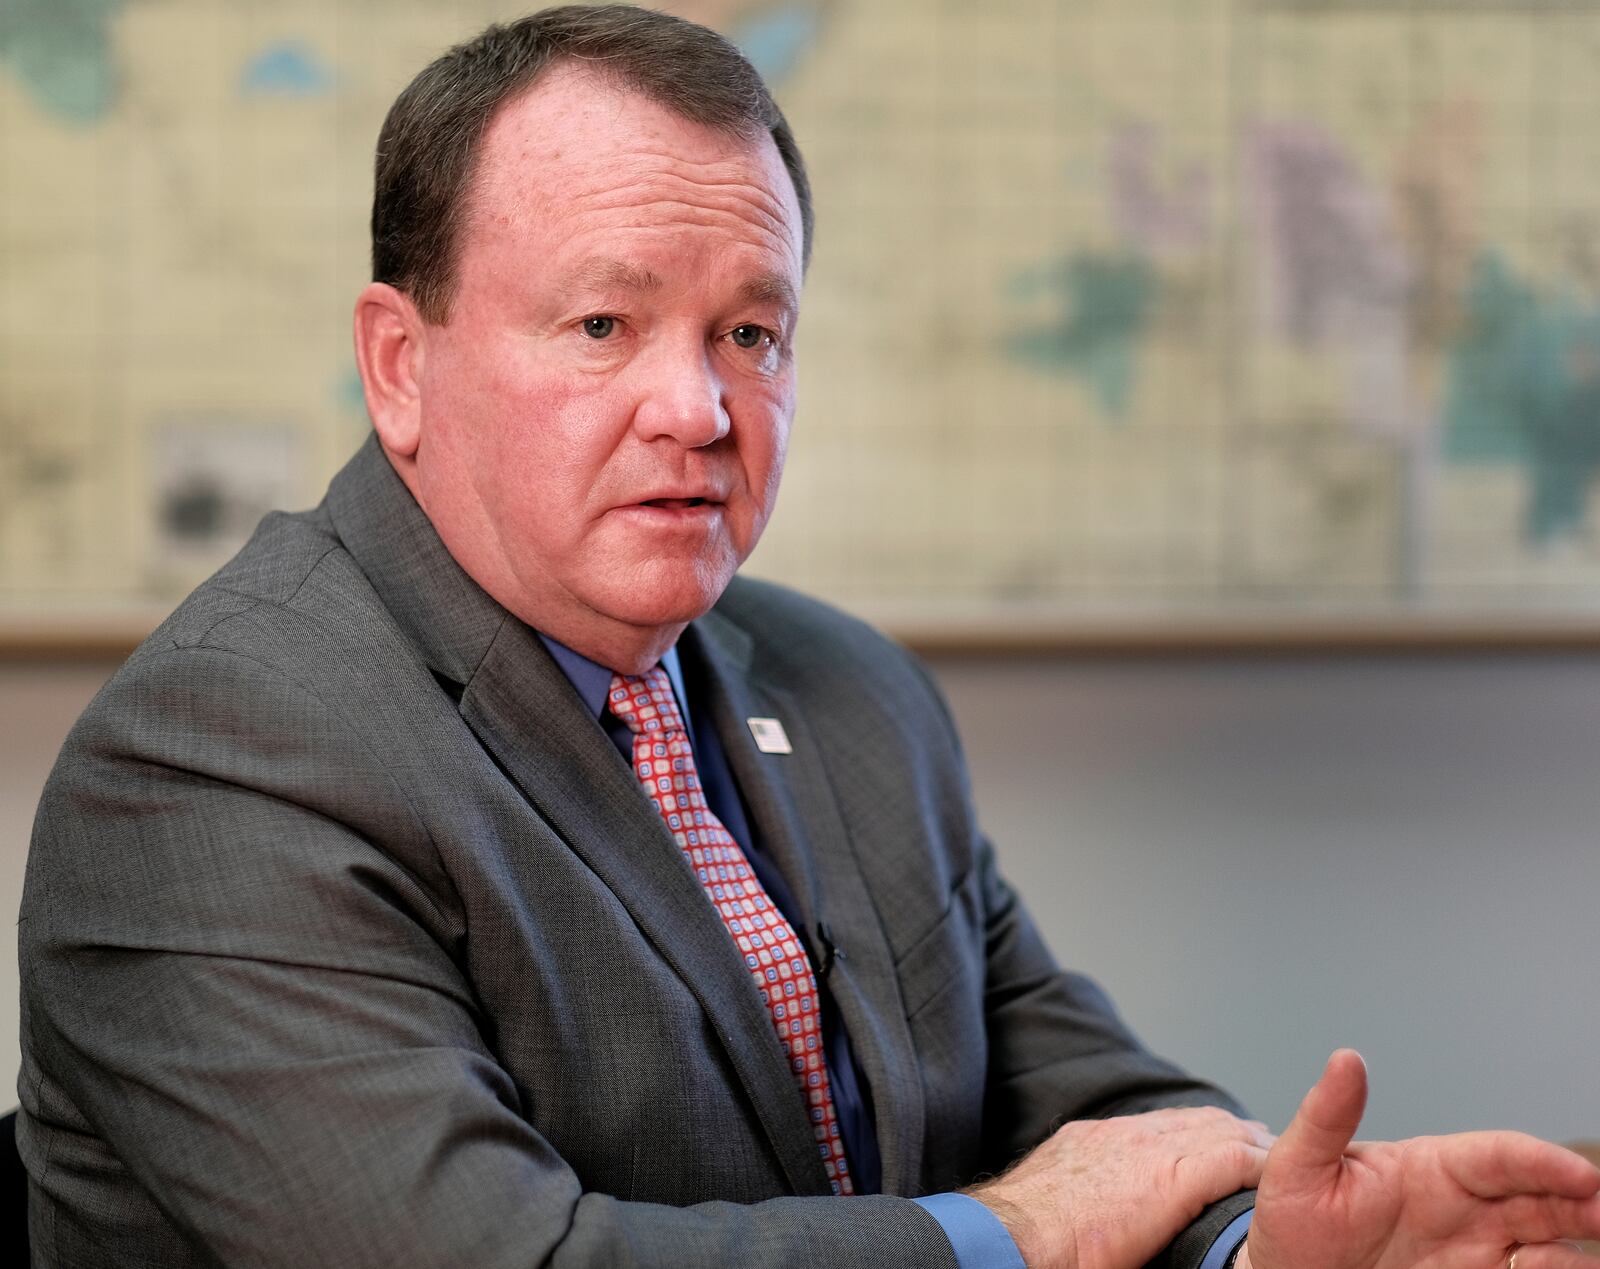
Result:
645,702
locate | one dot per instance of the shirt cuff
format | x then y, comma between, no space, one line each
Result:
979,1239
1228,1241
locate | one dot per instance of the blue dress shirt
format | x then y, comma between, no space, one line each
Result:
977,1235
1228,1241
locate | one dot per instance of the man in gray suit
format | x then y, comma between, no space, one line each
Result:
475,873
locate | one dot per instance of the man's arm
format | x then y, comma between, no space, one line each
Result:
1058,1054
1066,1072
1058,1051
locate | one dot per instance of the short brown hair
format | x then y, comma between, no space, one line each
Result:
428,148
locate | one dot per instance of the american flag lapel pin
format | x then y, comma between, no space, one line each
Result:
769,734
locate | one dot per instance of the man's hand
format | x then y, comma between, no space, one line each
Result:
1111,1193
1460,1202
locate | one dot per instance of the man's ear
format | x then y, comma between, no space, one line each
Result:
389,348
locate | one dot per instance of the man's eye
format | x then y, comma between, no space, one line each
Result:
748,336
599,327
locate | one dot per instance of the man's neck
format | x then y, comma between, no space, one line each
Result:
622,648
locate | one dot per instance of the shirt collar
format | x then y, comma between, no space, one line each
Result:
593,680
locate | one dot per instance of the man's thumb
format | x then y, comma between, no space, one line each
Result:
1327,1118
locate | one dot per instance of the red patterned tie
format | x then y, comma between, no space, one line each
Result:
776,959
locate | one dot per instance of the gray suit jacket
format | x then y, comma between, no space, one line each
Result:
349,939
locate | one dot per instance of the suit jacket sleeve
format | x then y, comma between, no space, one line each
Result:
269,1023
1058,1051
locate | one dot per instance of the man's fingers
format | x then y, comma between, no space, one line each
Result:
1500,1164
1171,1119
1194,1126
1327,1119
1553,1256
1529,1218
1200,1132
1223,1170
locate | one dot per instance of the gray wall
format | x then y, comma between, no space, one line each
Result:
38,702
1261,859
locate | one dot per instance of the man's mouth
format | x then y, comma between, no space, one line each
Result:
674,504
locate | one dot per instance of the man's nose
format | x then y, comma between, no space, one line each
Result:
682,399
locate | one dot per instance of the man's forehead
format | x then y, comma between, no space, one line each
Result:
575,152
575,118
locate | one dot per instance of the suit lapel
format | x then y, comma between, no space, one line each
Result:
528,716
795,812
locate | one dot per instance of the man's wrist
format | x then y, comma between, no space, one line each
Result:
1017,1222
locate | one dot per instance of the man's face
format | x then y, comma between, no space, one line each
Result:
604,416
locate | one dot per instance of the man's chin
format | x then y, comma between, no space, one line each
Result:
679,611
672,597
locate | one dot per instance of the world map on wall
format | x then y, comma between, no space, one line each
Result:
1151,307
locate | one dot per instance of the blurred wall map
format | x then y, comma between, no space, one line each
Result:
1153,307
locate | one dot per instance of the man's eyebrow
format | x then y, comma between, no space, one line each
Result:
607,275
610,275
770,288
